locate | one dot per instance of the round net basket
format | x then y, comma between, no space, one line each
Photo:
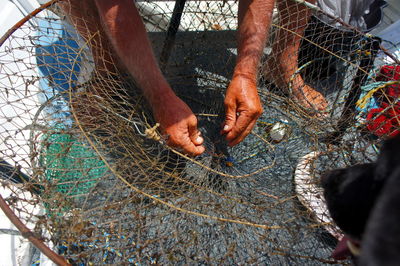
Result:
86,171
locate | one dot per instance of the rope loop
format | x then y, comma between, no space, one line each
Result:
152,133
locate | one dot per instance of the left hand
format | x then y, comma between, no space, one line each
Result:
179,123
242,109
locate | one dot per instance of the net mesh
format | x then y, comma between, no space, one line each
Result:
79,143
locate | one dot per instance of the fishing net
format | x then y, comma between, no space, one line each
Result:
87,171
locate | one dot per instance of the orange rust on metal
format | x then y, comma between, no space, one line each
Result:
30,235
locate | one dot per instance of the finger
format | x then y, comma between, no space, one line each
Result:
192,149
186,145
194,133
323,105
243,135
322,115
242,123
230,118
198,139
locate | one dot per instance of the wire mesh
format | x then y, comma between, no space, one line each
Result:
98,188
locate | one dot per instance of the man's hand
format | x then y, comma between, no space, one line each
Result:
179,124
242,109
126,31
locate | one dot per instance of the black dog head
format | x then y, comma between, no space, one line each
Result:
349,194
364,201
381,241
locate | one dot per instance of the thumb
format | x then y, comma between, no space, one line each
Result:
194,133
230,118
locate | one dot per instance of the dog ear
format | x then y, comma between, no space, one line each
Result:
381,241
350,195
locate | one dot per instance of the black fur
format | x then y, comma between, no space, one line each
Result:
364,201
381,241
350,193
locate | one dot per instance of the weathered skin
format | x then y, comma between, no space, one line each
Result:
242,103
120,22
282,63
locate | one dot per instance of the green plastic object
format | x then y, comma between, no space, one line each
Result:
71,166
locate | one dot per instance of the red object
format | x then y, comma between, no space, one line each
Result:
379,121
342,251
384,123
388,73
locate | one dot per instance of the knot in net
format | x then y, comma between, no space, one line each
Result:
85,166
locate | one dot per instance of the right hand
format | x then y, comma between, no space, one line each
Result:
179,124
242,109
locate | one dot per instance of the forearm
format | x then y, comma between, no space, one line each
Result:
128,35
254,23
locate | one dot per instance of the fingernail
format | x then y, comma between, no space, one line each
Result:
199,139
226,127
